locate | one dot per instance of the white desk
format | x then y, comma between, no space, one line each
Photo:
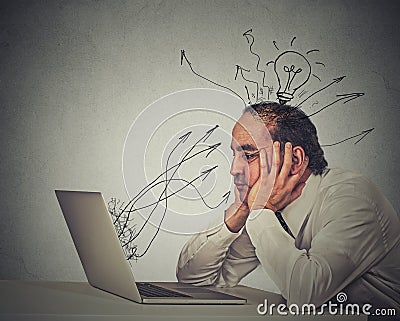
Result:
39,300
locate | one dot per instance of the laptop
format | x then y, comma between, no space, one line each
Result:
104,261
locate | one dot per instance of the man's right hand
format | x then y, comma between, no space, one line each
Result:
287,186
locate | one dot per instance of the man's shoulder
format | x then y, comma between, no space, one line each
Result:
345,181
338,175
351,197
349,187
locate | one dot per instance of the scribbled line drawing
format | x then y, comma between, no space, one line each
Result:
259,88
293,71
123,213
363,134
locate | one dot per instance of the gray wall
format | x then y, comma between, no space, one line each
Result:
74,75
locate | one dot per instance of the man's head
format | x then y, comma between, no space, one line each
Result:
260,125
290,124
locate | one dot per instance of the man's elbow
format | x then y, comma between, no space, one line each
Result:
182,275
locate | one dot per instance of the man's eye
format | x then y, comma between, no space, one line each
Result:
251,156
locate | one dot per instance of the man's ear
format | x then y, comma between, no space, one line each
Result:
297,159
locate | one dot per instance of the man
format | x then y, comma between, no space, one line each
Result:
335,231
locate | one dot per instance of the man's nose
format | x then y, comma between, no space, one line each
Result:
238,166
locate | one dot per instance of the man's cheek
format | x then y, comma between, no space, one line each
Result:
254,174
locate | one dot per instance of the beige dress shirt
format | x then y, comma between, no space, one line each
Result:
347,240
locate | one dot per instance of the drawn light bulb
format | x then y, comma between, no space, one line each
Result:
292,70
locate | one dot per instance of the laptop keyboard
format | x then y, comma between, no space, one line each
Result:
154,291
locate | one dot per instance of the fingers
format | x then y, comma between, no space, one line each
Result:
270,158
264,172
263,159
287,160
277,157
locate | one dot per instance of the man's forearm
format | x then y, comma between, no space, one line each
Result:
202,257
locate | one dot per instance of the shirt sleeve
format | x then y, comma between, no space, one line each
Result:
347,243
218,257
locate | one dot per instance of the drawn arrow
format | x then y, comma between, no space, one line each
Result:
240,68
184,137
345,97
226,196
184,58
334,81
249,37
350,97
364,133
185,159
187,183
209,132
133,237
167,182
212,148
207,172
250,40
155,182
